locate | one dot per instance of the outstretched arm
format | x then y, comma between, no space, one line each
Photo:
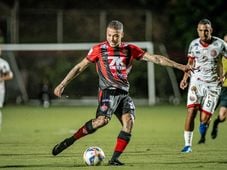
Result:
184,81
161,60
74,72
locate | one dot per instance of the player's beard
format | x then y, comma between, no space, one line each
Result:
114,44
205,39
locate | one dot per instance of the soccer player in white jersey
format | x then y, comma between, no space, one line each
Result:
222,101
204,54
5,74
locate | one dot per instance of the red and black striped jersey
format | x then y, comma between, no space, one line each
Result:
114,63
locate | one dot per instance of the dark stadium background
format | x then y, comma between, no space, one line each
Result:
173,24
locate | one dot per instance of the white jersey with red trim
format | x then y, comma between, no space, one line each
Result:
207,59
204,88
4,68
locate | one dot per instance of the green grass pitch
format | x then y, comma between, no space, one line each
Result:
28,135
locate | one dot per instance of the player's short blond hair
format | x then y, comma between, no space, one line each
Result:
117,25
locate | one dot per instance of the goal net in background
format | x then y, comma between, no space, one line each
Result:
35,64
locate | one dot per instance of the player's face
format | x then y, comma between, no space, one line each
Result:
114,37
225,38
204,32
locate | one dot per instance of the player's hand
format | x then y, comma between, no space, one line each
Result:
221,79
59,90
188,69
183,84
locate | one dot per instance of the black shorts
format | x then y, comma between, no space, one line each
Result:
223,97
116,102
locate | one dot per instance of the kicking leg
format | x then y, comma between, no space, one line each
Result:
88,128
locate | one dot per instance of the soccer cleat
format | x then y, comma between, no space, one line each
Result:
202,140
186,149
214,131
115,163
62,146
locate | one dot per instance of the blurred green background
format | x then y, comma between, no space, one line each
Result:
169,22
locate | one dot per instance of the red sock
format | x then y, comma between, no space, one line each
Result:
80,133
120,145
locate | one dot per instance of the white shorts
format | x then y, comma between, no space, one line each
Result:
203,95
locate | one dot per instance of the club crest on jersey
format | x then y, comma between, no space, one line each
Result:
104,108
213,53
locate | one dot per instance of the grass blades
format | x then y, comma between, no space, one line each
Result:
28,135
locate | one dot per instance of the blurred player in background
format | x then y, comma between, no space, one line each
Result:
223,100
5,74
113,60
44,95
204,54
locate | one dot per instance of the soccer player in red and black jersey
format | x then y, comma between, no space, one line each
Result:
113,60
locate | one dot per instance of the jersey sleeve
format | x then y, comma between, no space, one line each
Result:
5,67
136,52
93,54
190,50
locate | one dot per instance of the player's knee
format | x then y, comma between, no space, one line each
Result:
100,121
222,118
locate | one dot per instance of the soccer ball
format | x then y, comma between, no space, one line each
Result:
93,156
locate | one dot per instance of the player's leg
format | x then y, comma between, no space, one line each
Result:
193,105
189,128
2,97
211,97
204,124
222,112
0,119
220,118
127,121
103,116
123,139
88,128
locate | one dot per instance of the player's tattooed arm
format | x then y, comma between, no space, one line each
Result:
164,61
